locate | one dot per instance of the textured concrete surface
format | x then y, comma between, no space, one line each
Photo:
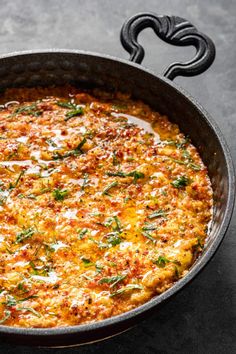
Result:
202,319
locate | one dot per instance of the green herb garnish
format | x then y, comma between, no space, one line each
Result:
161,261
149,227
115,160
100,245
29,110
193,166
76,110
111,185
29,309
25,234
28,196
147,235
82,233
7,314
22,288
179,144
118,174
77,151
85,181
157,214
14,185
135,174
60,194
181,182
87,262
126,288
51,143
112,280
113,238
98,267
12,301
3,200
118,224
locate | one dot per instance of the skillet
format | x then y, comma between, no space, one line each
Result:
85,69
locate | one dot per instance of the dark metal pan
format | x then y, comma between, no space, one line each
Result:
57,67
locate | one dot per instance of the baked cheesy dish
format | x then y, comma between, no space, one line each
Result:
104,204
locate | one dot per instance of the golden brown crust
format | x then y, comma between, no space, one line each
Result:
97,214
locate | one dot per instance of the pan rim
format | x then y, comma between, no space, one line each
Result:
197,266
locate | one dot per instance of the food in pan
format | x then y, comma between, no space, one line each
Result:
104,204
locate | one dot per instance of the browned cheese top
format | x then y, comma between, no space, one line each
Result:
103,205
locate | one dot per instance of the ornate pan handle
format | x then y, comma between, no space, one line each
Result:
174,30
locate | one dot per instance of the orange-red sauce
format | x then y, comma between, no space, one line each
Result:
103,205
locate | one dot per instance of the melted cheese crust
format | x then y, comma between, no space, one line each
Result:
99,211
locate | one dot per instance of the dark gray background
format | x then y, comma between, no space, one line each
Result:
202,318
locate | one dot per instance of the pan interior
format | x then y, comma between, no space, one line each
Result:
88,70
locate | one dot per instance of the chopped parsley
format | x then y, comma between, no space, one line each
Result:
75,110
85,181
14,185
82,233
157,214
118,174
29,309
113,238
100,245
86,262
107,188
181,182
115,160
192,165
22,288
28,196
126,288
147,235
25,234
149,227
2,199
77,151
51,142
29,110
161,261
112,280
12,301
7,314
135,174
118,226
179,144
60,194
